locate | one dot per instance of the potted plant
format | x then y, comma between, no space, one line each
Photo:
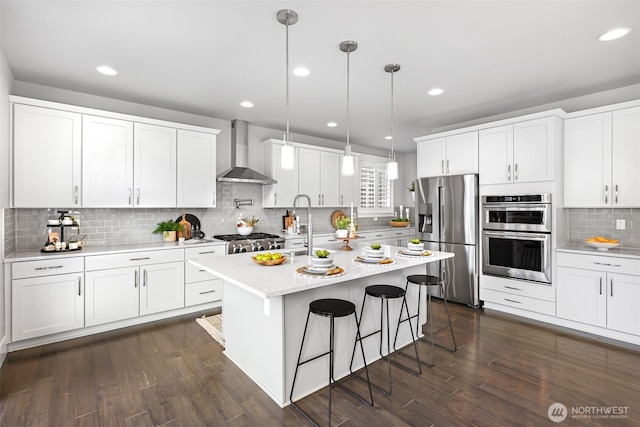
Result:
343,226
322,258
415,245
168,230
245,226
375,251
412,190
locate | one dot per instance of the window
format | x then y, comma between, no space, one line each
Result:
376,192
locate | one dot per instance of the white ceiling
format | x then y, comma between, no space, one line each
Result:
205,57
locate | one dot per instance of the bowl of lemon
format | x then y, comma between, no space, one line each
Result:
268,258
602,243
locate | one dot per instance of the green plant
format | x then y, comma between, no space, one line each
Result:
244,222
322,253
400,220
375,246
167,226
343,222
415,241
412,186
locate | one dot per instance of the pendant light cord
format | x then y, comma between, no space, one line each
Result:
348,53
392,118
287,136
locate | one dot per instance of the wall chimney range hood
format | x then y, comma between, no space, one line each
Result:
240,171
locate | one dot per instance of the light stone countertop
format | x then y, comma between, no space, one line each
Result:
278,280
583,248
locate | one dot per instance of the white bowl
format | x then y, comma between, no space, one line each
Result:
415,246
603,246
67,222
245,231
53,222
322,262
374,253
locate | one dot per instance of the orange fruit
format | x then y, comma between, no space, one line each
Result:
601,239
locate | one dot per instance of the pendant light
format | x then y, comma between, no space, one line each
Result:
392,164
348,168
287,17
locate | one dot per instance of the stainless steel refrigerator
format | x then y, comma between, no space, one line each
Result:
447,220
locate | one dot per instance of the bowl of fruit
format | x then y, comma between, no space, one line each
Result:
322,258
268,258
399,222
602,243
415,245
374,251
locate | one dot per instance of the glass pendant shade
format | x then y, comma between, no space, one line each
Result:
348,168
287,157
392,170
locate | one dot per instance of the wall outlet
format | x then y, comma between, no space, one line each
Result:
620,224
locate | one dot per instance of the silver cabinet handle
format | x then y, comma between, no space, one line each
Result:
342,200
515,172
214,198
48,268
76,194
275,198
207,292
206,252
512,300
606,194
512,288
508,172
616,193
79,286
139,259
320,204
611,287
144,279
447,169
607,264
442,166
323,200
135,279
601,286
138,196
129,196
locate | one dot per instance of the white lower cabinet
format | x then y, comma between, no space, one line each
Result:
200,286
111,295
600,291
44,302
162,287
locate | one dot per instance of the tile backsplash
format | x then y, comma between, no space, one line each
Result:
26,229
587,222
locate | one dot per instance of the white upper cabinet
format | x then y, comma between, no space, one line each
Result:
107,162
46,157
349,185
154,171
601,158
520,152
196,169
319,176
282,193
451,155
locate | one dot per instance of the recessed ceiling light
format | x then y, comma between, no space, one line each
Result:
614,34
301,72
332,124
436,91
246,104
106,70
388,137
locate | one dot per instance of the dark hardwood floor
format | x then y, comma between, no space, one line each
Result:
172,373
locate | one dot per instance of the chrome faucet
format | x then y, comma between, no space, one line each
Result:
309,225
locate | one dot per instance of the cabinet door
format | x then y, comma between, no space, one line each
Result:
581,296
496,155
350,185
431,157
626,158
154,172
309,175
623,300
111,295
330,172
162,287
196,169
46,157
587,161
281,194
534,150
107,162
462,154
46,305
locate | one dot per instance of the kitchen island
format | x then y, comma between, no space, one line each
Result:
265,308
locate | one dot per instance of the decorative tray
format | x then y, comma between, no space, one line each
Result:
373,261
308,271
270,262
399,223
407,253
61,250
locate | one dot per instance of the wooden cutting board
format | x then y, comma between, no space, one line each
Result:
186,228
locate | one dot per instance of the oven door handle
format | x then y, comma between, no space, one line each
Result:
517,236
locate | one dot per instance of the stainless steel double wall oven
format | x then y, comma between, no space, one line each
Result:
516,236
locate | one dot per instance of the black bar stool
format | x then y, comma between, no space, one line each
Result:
429,282
331,308
385,293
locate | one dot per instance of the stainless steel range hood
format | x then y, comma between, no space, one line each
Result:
240,171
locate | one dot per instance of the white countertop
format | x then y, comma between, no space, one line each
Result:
583,248
277,280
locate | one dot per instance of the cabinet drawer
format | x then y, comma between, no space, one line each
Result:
324,240
202,292
194,274
294,243
518,287
101,262
377,236
20,270
517,301
201,251
600,263
405,232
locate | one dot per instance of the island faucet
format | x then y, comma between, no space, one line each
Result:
309,225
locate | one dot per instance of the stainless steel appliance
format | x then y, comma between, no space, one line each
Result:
516,237
254,242
447,220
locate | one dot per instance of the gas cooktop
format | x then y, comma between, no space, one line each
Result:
251,243
252,236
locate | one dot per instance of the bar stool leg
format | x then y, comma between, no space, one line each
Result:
331,379
430,308
446,307
295,375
